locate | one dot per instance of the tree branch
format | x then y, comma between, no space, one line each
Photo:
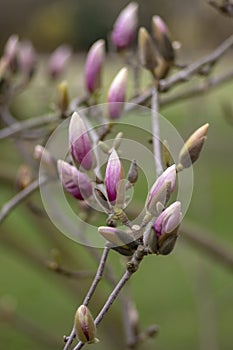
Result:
205,87
156,131
195,67
20,197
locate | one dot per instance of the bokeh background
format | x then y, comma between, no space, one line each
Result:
188,294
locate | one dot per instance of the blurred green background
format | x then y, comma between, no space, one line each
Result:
187,294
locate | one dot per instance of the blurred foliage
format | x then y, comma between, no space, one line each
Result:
82,22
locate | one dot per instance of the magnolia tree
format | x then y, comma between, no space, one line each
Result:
84,153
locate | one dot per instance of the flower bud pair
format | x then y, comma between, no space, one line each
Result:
162,237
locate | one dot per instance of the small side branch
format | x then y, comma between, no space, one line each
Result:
19,198
91,291
156,130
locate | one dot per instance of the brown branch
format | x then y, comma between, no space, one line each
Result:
193,68
205,87
19,198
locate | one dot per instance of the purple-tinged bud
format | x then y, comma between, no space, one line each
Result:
191,150
125,27
119,240
27,58
166,228
113,175
84,325
162,37
163,187
168,220
75,182
11,51
117,93
58,60
94,64
80,143
47,161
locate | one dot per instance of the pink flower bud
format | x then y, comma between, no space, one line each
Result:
27,58
80,143
75,182
11,48
113,176
168,220
167,177
125,27
84,325
116,94
58,60
94,64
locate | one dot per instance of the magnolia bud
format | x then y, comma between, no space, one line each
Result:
119,240
113,175
191,150
162,38
133,172
166,227
125,27
94,63
80,143
27,58
11,52
117,93
24,177
75,182
58,60
63,97
148,54
84,325
162,188
46,159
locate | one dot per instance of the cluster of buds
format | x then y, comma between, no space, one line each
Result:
93,80
18,57
159,227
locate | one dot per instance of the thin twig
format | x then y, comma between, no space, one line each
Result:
19,198
156,131
91,291
205,87
194,68
53,266
18,127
